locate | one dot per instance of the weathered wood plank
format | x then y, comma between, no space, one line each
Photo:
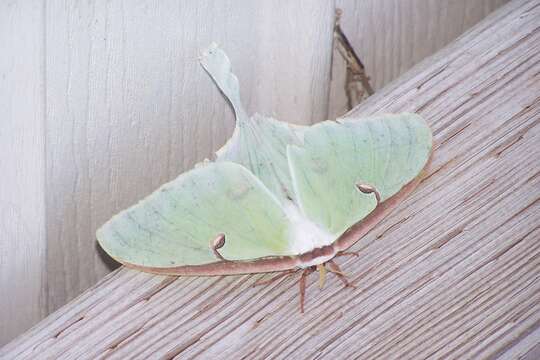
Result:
453,273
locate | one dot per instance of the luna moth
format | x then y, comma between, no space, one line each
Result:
277,197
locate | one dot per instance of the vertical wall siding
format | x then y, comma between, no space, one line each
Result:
22,172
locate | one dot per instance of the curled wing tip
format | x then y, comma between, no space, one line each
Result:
213,45
209,49
218,65
213,53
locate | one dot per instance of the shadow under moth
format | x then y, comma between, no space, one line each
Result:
277,197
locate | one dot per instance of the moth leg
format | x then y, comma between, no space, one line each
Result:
302,284
274,278
334,268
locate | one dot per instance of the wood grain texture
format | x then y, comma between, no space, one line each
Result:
22,165
129,107
390,36
453,273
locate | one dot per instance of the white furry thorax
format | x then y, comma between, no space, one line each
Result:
305,235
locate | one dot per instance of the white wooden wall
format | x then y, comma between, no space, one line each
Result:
22,171
103,101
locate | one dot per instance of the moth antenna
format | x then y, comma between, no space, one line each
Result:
216,244
369,189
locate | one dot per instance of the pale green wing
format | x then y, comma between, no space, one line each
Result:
385,152
261,146
175,225
259,143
